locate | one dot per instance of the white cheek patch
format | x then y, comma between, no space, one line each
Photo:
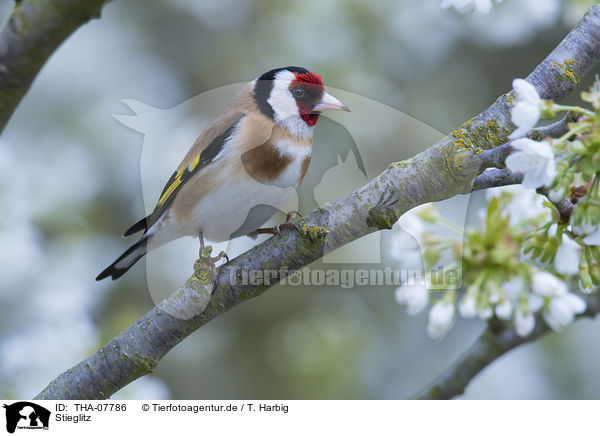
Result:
285,110
281,100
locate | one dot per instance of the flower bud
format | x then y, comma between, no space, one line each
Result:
524,322
504,310
441,318
467,306
584,275
595,274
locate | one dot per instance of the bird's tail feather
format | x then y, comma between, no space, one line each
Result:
126,260
137,227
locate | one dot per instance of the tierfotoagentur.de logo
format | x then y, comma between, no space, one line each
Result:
24,415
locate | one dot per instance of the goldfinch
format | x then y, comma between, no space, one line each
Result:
241,169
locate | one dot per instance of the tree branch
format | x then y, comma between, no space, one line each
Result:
495,157
492,178
487,348
33,32
440,172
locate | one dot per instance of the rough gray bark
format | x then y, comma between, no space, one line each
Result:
33,32
444,170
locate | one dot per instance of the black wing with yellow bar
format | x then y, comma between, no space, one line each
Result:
178,179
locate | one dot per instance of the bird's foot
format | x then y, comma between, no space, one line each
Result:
275,230
209,262
212,261
204,255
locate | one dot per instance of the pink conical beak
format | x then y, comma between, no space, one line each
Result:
330,103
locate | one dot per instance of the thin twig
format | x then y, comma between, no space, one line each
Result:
496,157
492,178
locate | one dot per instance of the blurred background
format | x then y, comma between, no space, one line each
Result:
70,184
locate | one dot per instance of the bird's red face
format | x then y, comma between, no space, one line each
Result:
294,97
307,89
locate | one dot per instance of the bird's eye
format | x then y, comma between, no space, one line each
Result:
298,92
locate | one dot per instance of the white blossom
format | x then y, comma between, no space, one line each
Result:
548,285
513,287
485,312
494,292
535,302
526,112
467,307
524,323
593,96
584,289
563,306
415,297
525,204
588,229
504,310
441,318
476,6
593,238
516,24
562,309
535,160
567,256
584,227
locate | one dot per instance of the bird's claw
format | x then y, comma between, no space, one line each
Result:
209,262
212,261
204,256
275,230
